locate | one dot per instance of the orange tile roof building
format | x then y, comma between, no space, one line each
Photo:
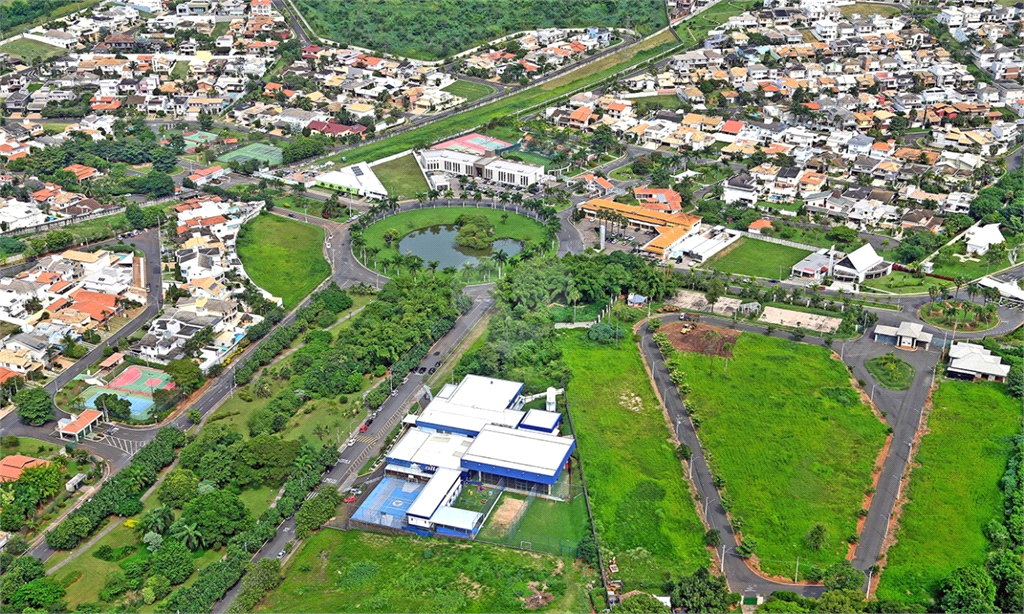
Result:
11,467
671,228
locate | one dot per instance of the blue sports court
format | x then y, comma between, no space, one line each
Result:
388,503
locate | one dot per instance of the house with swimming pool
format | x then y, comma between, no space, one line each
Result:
472,434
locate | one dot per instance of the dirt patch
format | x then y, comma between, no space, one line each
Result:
696,301
472,589
507,512
631,401
538,597
800,319
699,339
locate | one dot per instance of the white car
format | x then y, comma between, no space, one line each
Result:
693,263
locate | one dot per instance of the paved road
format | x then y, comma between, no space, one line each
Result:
740,577
342,475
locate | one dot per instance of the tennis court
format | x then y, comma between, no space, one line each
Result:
474,143
141,404
388,503
268,154
141,380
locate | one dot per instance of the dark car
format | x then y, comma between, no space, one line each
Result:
438,353
369,421
291,215
437,364
431,370
421,370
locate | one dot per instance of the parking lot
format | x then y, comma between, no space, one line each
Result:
632,241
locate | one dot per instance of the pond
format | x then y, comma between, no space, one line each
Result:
438,243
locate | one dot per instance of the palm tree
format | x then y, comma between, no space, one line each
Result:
501,258
973,289
572,294
432,265
959,282
189,535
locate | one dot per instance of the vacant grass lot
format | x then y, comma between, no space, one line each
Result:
758,258
355,571
284,257
26,49
640,500
470,90
954,489
792,441
27,446
581,78
402,177
865,9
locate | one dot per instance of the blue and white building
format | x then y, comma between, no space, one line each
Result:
473,432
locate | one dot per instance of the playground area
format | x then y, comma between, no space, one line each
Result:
473,143
267,154
136,385
387,504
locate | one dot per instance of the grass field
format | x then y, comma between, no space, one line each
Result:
470,90
581,78
354,571
694,31
283,257
758,258
901,282
27,49
180,70
665,100
530,157
792,441
548,526
640,500
402,177
517,227
867,9
954,489
69,6
27,446
971,269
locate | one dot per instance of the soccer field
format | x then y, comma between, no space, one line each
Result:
758,258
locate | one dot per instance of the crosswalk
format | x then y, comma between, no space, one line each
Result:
126,445
366,438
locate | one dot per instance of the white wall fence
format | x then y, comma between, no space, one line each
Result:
786,242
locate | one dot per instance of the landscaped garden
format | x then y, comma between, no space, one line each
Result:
954,495
960,315
790,443
282,256
355,571
474,247
902,282
645,514
891,371
758,259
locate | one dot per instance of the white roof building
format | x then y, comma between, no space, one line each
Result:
972,361
356,179
981,238
860,264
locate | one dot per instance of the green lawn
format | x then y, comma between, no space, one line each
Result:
891,372
220,29
792,441
470,90
530,157
257,500
901,282
867,9
758,259
180,70
28,49
28,446
355,571
402,177
666,101
284,257
517,227
646,516
623,174
971,269
954,489
581,78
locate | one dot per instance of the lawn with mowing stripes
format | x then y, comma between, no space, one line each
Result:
758,259
401,177
470,90
282,256
645,514
954,489
582,77
792,440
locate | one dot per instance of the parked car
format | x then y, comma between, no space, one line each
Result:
349,499
421,370
362,428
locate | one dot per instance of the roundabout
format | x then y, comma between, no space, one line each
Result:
473,242
961,316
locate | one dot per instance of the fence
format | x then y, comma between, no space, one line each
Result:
786,242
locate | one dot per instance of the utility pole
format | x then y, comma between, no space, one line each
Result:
796,576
